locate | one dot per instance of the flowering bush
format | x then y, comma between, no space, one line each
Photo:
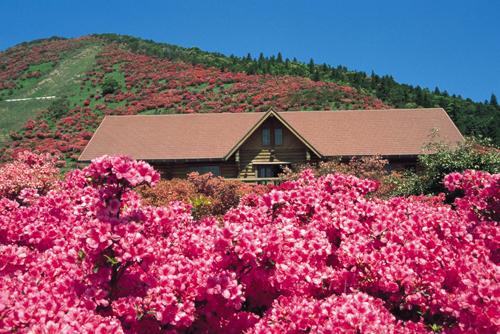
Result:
28,172
313,255
369,167
208,194
167,191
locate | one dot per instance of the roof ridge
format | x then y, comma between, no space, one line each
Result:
358,110
191,114
279,112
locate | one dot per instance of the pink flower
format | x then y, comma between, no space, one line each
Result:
313,255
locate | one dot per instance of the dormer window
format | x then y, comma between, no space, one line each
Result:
278,136
266,136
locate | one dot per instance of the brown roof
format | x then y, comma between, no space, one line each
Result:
214,136
170,137
372,132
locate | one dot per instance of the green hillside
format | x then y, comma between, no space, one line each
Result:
59,80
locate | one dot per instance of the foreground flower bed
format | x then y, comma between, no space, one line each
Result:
314,255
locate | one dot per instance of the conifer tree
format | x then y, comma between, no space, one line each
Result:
493,100
311,66
279,58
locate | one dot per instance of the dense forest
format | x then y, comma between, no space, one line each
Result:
473,118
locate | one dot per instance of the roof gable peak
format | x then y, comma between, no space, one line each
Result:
271,113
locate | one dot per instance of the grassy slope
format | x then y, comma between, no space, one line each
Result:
61,80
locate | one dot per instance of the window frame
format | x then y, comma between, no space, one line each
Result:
266,131
265,168
280,131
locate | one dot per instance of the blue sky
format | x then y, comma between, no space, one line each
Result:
451,44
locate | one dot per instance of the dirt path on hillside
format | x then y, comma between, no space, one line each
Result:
64,72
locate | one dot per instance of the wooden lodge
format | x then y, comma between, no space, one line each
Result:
254,147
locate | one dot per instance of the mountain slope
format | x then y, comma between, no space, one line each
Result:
89,77
43,81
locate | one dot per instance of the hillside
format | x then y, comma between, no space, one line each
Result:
54,92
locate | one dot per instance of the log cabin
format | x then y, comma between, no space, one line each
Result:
254,147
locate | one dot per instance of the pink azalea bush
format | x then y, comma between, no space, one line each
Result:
28,172
313,255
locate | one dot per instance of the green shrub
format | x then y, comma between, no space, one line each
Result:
478,154
404,183
58,108
473,153
110,86
201,206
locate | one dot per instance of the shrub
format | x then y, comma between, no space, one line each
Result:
167,191
404,183
28,171
471,154
208,194
223,194
58,109
370,167
110,86
313,255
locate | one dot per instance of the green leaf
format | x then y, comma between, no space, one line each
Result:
436,328
81,255
111,260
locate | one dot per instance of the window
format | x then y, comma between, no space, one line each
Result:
265,171
278,136
266,136
215,170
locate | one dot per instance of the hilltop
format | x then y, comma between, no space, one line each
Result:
54,92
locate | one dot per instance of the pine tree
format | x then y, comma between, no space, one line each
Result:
261,58
261,64
311,66
279,58
493,100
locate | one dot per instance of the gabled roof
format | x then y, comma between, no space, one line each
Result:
374,132
170,137
217,136
271,113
